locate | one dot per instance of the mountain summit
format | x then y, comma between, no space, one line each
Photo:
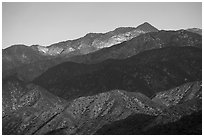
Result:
95,41
146,27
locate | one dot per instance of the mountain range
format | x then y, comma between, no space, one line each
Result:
35,66
129,81
20,55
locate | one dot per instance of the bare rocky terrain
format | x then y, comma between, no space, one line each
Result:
29,109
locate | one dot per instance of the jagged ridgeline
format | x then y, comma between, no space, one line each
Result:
28,62
20,55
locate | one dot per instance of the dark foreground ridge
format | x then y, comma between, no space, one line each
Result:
133,125
29,109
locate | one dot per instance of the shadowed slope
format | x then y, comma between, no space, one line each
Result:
147,72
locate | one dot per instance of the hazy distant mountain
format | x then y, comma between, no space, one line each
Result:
19,55
141,43
195,30
149,72
95,41
126,49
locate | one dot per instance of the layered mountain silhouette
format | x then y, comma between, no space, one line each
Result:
129,81
20,55
124,50
149,72
141,43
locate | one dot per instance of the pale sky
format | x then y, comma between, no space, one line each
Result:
48,23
